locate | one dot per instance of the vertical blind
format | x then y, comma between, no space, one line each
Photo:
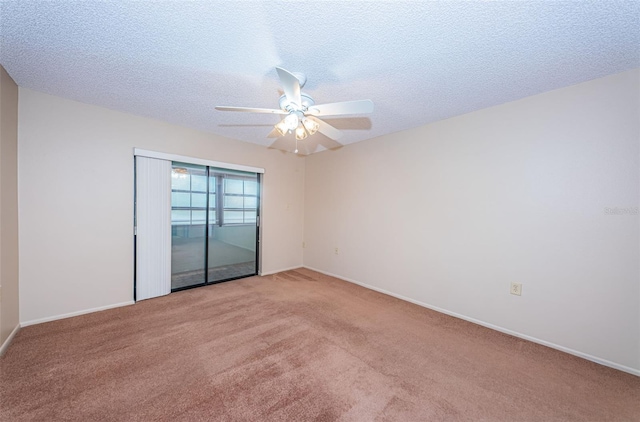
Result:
153,227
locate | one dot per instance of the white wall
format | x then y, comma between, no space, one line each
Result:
9,302
450,213
76,200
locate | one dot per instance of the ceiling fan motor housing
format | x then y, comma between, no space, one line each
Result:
287,105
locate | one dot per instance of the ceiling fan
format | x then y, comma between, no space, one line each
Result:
302,113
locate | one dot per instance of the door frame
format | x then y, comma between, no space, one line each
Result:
208,163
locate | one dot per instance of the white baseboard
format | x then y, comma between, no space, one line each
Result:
281,270
72,314
586,356
6,343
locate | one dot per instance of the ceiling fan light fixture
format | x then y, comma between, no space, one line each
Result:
282,128
291,121
300,133
311,125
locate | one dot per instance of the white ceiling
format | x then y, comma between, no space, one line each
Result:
418,61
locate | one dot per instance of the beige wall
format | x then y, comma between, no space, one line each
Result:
8,205
76,200
450,213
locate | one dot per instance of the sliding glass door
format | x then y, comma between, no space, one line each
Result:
214,225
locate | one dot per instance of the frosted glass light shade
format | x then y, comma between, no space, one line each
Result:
311,125
281,127
291,121
300,133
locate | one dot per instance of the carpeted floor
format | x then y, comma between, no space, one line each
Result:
296,346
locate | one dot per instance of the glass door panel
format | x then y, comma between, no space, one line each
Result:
233,235
188,224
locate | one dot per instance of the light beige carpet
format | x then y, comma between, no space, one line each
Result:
296,346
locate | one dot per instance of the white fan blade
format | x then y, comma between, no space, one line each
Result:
329,143
251,109
346,107
283,144
326,129
274,133
290,85
306,147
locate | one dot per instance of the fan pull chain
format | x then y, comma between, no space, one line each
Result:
296,151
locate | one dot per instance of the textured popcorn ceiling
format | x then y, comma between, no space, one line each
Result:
418,61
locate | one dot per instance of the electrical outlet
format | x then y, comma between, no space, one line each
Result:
516,289
336,251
